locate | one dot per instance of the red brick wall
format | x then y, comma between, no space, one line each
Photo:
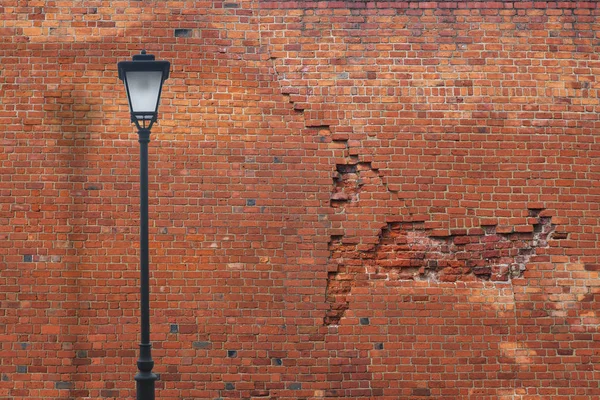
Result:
348,199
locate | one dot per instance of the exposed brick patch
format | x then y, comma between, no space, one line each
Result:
410,251
407,251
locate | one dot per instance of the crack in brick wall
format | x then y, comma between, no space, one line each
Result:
410,251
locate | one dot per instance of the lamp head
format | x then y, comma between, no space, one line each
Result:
143,78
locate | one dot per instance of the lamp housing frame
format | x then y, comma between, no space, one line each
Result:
143,63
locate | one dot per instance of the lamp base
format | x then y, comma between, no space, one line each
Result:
145,385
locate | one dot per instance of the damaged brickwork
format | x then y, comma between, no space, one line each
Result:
410,251
349,180
348,200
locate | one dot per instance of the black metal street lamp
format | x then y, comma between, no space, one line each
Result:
143,78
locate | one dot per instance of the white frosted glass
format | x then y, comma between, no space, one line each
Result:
144,88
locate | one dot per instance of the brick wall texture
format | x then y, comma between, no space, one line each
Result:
348,199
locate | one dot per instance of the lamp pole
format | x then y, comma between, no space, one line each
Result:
143,78
145,378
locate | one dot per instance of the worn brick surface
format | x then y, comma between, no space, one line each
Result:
348,199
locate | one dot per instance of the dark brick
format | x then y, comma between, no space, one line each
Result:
592,267
424,392
63,385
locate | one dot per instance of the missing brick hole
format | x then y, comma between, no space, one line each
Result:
335,240
347,185
535,212
184,33
335,203
559,235
346,168
331,275
488,229
350,179
340,141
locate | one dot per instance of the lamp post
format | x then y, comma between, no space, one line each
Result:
143,78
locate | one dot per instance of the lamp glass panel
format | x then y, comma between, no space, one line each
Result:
144,89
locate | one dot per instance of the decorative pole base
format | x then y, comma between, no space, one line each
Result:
145,385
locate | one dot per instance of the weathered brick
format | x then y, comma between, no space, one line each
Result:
348,199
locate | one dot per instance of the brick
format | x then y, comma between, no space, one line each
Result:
63,385
421,392
348,199
592,267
